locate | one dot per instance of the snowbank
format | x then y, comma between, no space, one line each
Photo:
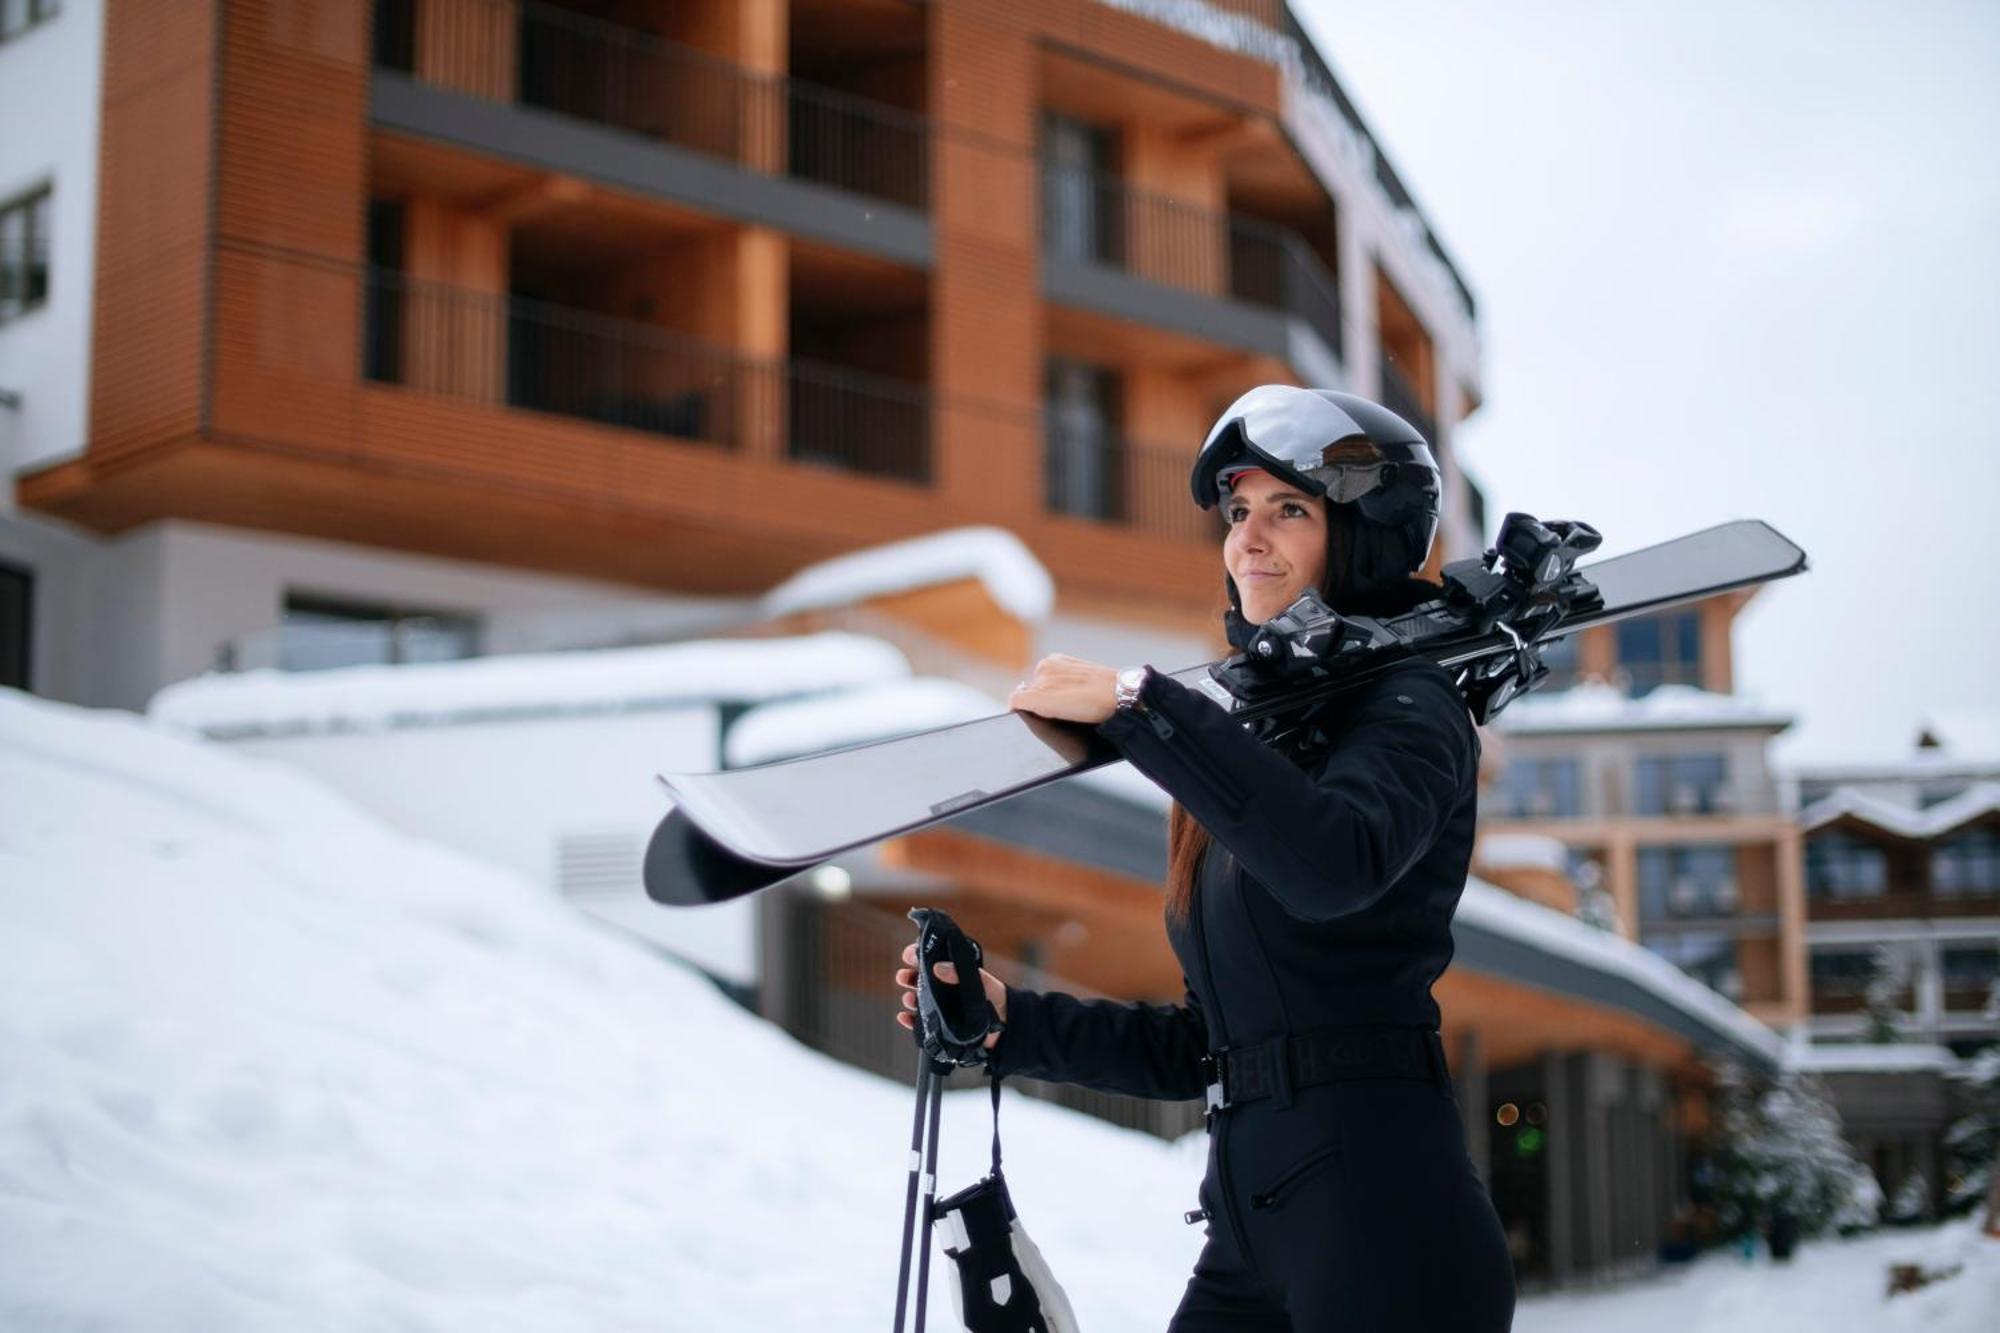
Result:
994,556
265,1064
527,684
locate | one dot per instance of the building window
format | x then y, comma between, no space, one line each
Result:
17,16
1543,788
17,620
1660,650
1081,457
1968,862
1709,956
1842,972
324,632
1560,656
1840,866
1683,784
1969,972
1680,882
1081,199
24,252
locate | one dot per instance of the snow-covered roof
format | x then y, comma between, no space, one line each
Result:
1867,1057
872,712
367,698
1596,706
994,556
1495,910
1522,851
1853,803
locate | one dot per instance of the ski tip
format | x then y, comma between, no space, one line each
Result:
684,867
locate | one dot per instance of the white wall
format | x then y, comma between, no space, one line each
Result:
50,92
508,792
218,585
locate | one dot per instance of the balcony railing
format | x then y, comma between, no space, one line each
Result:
498,348
541,55
1095,218
1400,397
1092,473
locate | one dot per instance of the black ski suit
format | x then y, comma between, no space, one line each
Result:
1325,900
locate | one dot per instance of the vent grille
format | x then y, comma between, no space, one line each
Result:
598,864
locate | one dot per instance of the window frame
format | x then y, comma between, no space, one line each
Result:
28,203
35,14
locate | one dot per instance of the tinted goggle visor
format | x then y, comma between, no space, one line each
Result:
1297,435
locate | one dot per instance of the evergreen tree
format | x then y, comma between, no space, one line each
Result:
1972,1142
1886,977
1779,1150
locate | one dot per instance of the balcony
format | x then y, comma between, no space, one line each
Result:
523,80
1230,273
505,349
1897,904
1400,397
1097,475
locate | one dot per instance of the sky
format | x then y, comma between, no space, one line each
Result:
1732,261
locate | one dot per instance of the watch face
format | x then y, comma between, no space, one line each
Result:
1131,678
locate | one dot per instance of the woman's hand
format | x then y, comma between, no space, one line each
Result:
906,977
1068,689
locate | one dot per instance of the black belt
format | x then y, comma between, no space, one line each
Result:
1273,1068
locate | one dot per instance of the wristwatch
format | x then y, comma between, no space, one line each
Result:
1125,694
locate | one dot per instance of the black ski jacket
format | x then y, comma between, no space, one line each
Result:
1325,898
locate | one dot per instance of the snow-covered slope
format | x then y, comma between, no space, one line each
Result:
265,1064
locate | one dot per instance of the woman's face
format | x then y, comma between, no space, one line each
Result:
1276,545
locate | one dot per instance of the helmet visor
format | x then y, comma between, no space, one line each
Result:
1295,432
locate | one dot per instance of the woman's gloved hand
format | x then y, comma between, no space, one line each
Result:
906,977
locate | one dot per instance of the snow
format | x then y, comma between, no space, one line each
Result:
1865,1057
268,1065
996,557
1842,802
528,684
1596,706
1522,851
1827,1285
873,712
1501,912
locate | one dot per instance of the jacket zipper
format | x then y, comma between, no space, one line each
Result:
1269,1198
1197,762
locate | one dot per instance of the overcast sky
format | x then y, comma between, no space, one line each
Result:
1733,260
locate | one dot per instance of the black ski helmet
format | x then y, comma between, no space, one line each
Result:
1292,433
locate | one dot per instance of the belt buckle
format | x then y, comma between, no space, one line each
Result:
1212,1068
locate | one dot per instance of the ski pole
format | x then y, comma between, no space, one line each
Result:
910,1198
930,1194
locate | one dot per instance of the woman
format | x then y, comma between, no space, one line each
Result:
1313,873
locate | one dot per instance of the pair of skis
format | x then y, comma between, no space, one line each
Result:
737,831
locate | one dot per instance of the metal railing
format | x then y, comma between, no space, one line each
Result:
1091,473
1400,397
843,999
557,59
505,349
1097,218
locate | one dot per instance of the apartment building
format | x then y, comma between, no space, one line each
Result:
1639,761
427,330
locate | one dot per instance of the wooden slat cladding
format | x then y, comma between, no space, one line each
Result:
294,125
153,198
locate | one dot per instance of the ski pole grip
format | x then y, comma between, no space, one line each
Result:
954,1018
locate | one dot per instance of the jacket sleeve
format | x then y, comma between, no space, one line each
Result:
1324,843
1142,1050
